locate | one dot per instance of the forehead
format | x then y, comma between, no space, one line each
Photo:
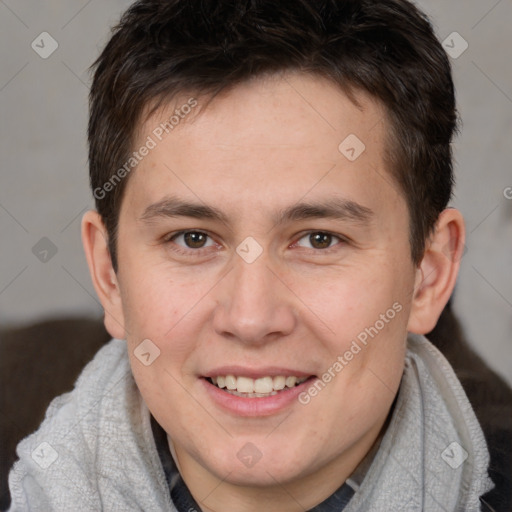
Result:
272,140
265,105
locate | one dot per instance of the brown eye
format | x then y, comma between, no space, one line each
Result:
320,240
192,240
195,239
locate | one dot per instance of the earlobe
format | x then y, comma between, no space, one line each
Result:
95,242
437,272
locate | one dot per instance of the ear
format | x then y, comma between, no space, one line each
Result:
437,272
104,279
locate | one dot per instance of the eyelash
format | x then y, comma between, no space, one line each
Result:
328,250
199,252
186,250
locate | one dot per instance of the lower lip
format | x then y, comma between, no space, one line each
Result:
252,407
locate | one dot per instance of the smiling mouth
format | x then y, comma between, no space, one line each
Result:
262,387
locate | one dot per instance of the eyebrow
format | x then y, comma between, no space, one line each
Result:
338,208
176,207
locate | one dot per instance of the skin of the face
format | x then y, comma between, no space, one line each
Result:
253,153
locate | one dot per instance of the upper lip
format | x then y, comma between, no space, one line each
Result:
255,373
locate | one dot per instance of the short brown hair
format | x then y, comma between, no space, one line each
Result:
162,48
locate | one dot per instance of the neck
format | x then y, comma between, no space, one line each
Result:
215,494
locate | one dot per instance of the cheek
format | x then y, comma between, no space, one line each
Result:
349,300
366,350
154,304
361,316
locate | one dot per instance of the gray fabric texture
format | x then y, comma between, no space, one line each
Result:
421,464
95,449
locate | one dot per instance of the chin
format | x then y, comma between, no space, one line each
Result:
252,467
262,476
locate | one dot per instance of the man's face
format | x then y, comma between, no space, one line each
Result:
295,248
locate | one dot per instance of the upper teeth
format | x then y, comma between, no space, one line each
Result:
261,385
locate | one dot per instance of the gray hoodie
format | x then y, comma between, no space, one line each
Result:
95,449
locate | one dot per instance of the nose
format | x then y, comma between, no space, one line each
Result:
254,306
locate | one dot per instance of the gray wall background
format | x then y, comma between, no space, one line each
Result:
44,188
